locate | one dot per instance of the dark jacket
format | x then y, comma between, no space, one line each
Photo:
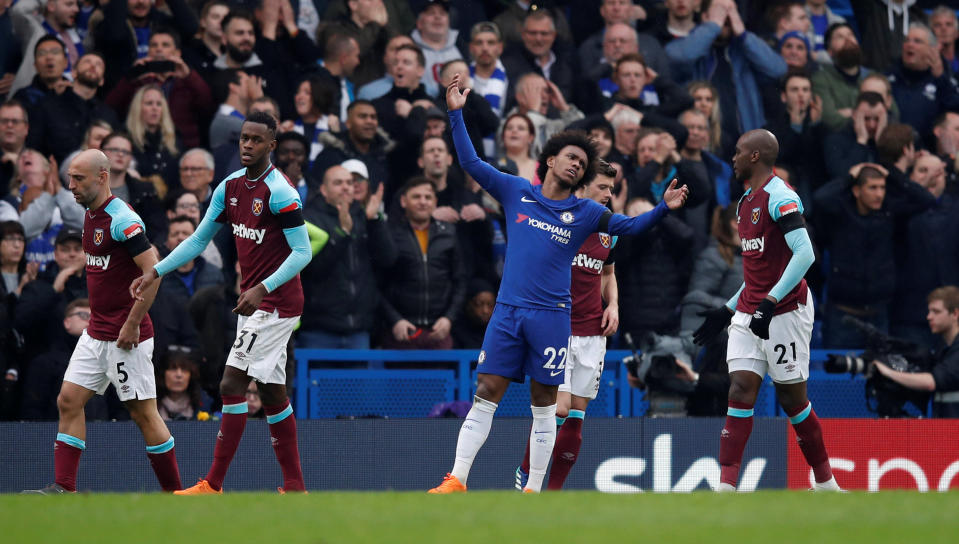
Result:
928,257
862,265
144,200
115,38
842,151
190,101
564,73
338,148
40,308
62,120
339,284
423,288
652,273
385,106
801,152
205,275
921,96
155,158
946,375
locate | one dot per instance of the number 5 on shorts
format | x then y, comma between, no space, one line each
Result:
122,373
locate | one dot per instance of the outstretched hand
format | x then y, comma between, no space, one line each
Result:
675,198
455,98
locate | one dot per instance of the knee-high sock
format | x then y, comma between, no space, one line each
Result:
541,440
732,441
568,440
228,438
283,434
809,435
525,464
66,460
472,436
163,460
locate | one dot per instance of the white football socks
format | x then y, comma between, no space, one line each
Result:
473,435
541,439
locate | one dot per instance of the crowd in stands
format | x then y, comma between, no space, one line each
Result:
408,249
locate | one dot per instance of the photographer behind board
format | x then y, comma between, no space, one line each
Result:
943,379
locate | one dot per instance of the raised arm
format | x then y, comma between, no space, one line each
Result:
488,177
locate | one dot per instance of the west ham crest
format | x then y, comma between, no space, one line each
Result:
605,239
257,206
567,217
754,217
97,237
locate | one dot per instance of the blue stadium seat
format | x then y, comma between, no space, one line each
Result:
384,393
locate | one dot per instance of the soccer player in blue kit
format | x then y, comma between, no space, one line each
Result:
528,334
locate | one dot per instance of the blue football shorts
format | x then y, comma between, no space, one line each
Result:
523,342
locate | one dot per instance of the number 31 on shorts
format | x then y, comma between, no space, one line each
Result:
552,353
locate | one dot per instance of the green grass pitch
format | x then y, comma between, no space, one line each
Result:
490,517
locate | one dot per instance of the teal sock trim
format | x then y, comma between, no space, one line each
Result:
560,421
577,414
276,418
801,416
739,412
161,448
72,441
235,408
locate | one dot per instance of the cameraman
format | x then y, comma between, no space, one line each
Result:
943,318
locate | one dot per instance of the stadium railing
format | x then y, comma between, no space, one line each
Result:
408,383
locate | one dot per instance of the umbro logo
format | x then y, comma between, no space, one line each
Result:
219,435
274,440
524,199
233,201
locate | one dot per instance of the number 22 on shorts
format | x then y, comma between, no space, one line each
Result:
552,353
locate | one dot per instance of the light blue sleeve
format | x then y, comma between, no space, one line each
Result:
282,194
299,241
731,303
803,257
782,200
196,242
124,222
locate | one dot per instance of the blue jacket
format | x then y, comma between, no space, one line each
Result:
921,96
695,58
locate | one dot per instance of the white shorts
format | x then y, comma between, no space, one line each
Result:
785,356
584,366
95,364
260,347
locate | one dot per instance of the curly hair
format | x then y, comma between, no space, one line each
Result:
576,138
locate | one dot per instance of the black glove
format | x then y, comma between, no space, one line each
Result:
759,324
717,319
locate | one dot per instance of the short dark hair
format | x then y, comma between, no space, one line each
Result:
414,182
793,73
423,143
239,13
115,134
295,137
603,168
183,219
49,38
207,6
337,43
556,144
948,294
14,103
264,119
893,141
832,28
169,31
871,98
865,174
420,57
629,57
11,227
359,102
451,62
74,304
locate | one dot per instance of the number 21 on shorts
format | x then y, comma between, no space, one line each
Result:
553,353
